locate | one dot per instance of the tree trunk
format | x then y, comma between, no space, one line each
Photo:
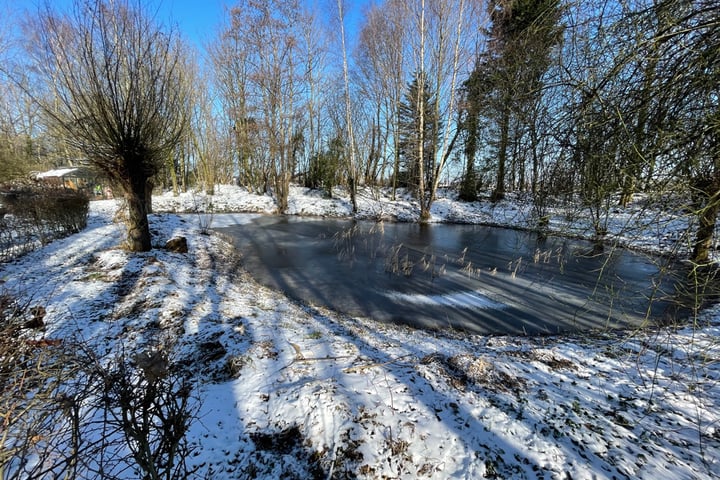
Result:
170,164
352,169
535,159
396,164
709,193
138,228
468,187
149,187
499,192
424,213
184,170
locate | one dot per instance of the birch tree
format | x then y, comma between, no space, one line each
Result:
350,161
382,76
441,52
315,39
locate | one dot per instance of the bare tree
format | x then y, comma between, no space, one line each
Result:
21,146
315,41
208,139
382,73
642,81
441,52
114,90
259,60
230,56
420,102
351,164
688,43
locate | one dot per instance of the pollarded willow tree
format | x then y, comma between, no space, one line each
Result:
113,89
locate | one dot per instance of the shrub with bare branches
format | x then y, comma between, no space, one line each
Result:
34,214
65,413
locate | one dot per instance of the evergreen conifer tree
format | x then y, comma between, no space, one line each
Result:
508,76
409,122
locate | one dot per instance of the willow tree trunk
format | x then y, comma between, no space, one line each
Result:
136,195
115,93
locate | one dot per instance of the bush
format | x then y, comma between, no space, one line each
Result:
67,413
152,406
37,436
52,209
35,214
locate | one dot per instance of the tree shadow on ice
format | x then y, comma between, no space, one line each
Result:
503,283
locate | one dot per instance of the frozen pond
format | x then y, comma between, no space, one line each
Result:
466,277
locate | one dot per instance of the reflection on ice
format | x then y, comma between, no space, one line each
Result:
466,299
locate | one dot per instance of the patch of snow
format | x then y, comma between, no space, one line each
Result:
60,172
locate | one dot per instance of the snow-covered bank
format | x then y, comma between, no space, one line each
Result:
295,391
636,226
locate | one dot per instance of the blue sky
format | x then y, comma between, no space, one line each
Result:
199,20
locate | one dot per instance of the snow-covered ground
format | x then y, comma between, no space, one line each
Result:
295,391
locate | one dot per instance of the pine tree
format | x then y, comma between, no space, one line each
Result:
472,106
324,166
508,76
